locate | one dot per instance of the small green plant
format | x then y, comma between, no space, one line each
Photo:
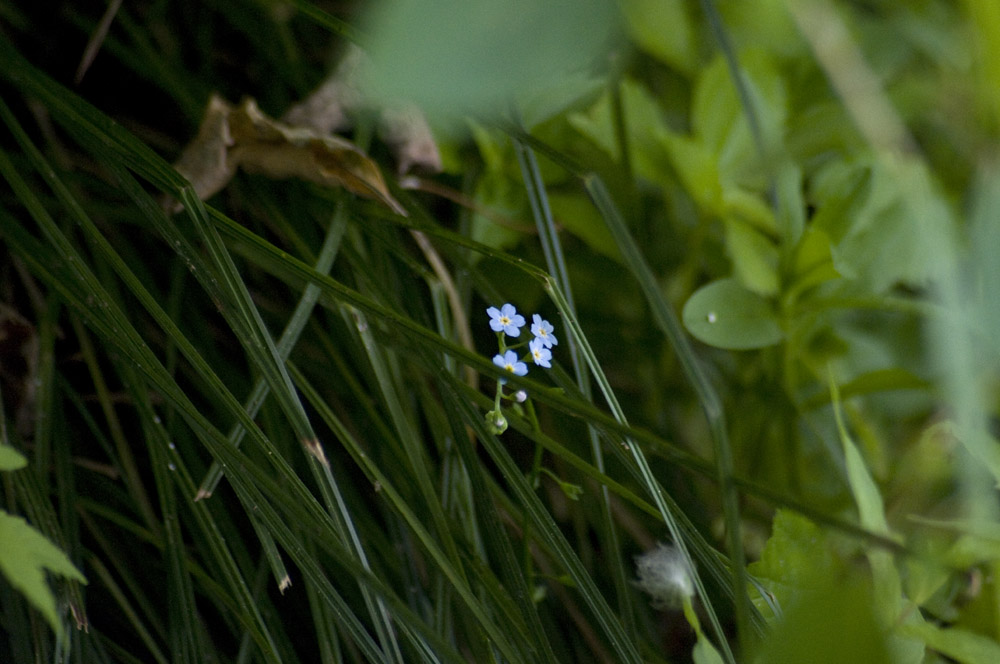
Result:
26,554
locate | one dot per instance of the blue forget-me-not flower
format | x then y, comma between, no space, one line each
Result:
506,320
542,329
511,363
539,353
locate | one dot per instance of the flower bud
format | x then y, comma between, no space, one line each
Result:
496,422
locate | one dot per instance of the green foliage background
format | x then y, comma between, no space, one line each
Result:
765,233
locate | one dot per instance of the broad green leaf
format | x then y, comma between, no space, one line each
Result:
705,653
663,29
828,614
454,57
578,215
24,557
881,236
958,644
750,208
812,263
11,459
644,125
719,118
796,551
763,24
831,622
727,315
698,168
984,265
754,256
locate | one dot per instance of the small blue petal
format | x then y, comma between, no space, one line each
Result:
542,329
539,353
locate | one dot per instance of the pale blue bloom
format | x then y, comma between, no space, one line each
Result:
539,353
506,320
542,329
510,362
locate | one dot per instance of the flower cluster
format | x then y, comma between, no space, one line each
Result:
506,322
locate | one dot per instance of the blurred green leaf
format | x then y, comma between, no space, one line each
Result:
454,57
830,622
796,551
11,459
663,28
705,653
727,315
958,644
578,215
754,256
644,123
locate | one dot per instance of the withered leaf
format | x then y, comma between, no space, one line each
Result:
244,137
204,162
401,125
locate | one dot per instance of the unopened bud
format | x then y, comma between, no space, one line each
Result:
496,422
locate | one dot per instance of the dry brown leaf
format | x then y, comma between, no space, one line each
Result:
406,131
402,126
244,137
205,162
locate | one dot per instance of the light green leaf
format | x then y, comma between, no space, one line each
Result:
727,315
663,29
958,644
11,459
705,653
24,556
643,122
871,510
796,551
578,215
698,168
812,262
754,256
831,621
720,121
473,56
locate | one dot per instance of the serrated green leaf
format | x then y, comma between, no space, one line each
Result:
11,459
24,557
724,314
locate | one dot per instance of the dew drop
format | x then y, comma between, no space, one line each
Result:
171,466
711,317
171,446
